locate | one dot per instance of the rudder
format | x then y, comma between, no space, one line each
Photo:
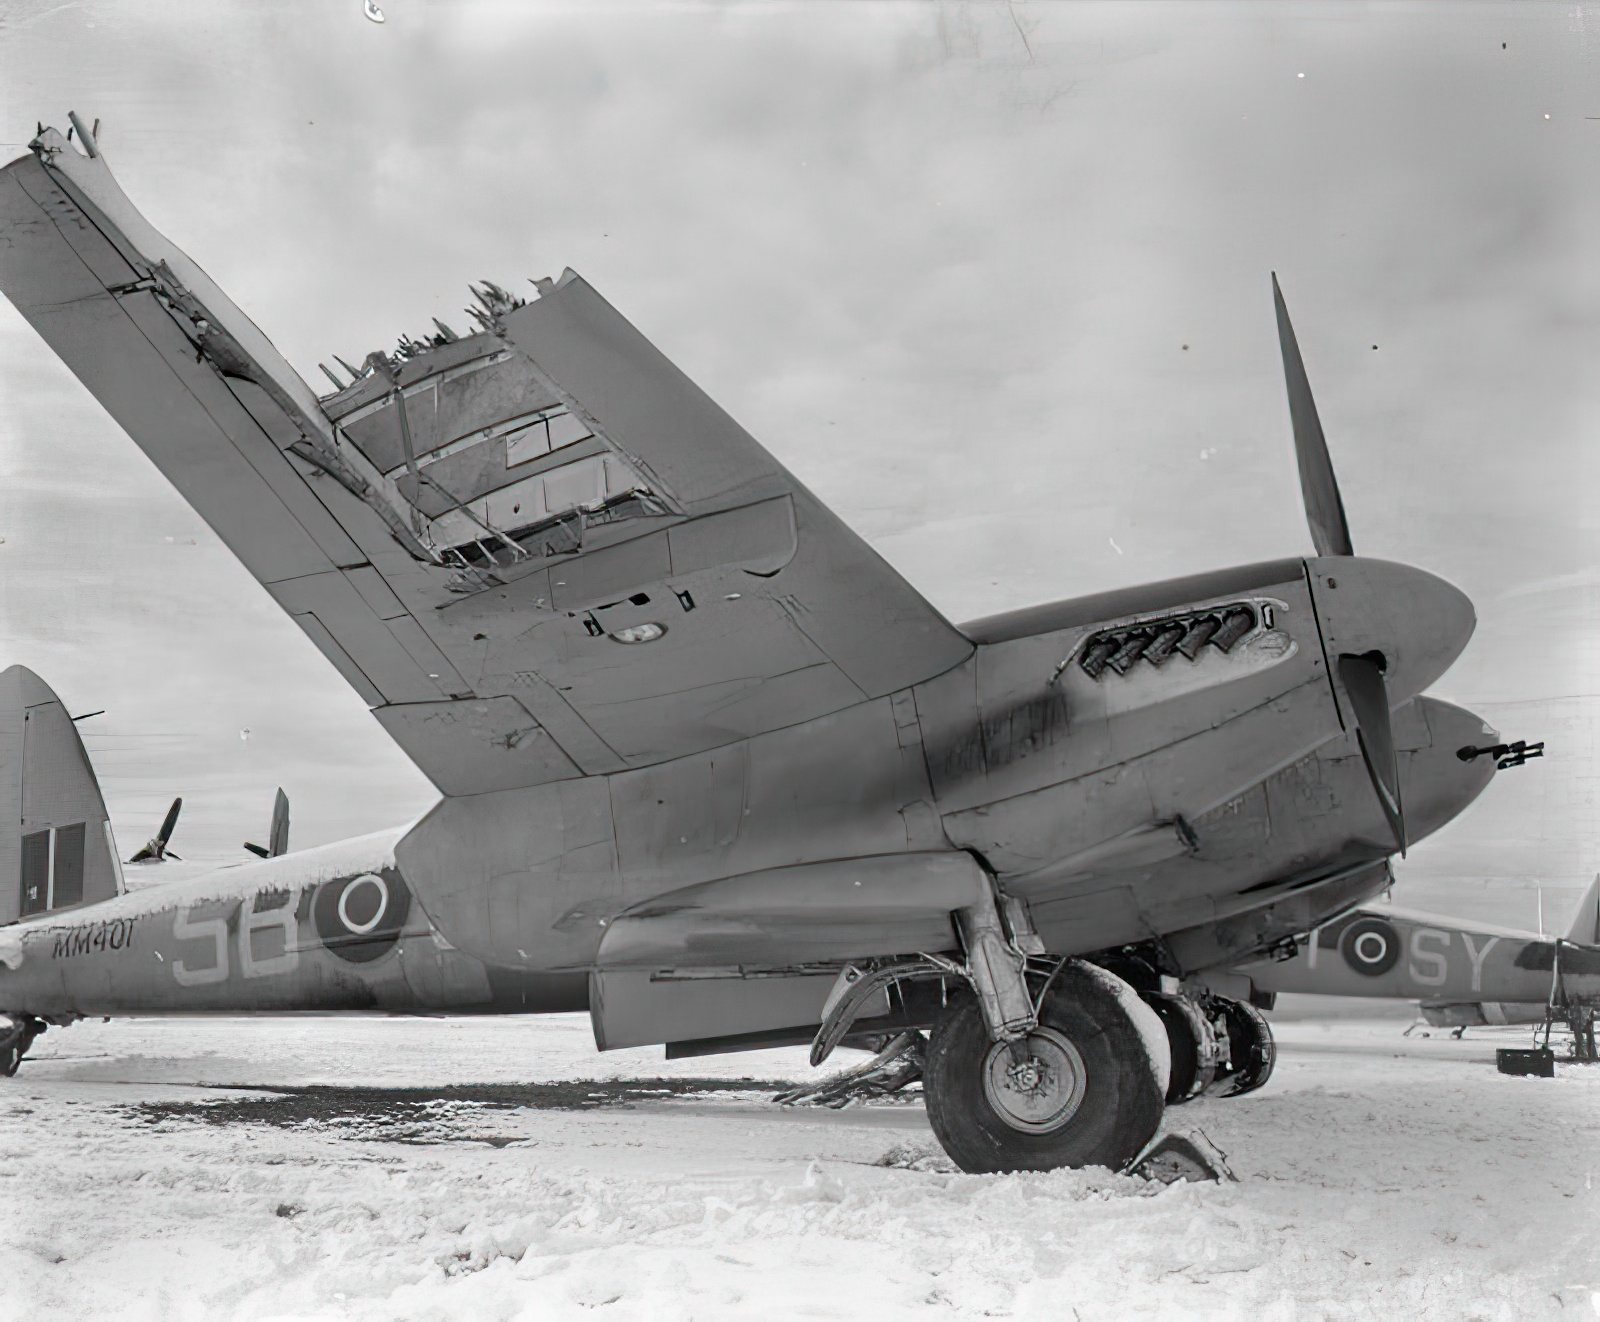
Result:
60,854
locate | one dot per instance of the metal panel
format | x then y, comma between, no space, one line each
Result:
757,538
35,873
612,572
66,873
866,618
341,610
476,745
630,1008
425,652
375,592
353,674
840,909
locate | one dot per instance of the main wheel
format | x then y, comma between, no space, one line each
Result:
1086,1091
1191,1042
1251,1050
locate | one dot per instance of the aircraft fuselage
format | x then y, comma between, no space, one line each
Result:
1214,800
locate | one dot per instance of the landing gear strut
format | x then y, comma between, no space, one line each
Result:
16,1036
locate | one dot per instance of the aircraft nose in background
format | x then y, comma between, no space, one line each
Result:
1416,620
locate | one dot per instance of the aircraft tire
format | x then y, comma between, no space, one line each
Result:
1181,1019
15,1042
1105,1105
1251,1050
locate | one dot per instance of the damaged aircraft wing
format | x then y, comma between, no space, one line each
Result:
537,552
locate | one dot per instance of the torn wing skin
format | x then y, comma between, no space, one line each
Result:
476,590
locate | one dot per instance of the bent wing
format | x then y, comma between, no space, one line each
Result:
537,552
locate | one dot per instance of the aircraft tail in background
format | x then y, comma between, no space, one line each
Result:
56,848
1585,929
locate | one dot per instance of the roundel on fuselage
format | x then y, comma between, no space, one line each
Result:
359,918
1370,946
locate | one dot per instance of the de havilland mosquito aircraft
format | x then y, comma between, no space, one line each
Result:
1461,974
710,769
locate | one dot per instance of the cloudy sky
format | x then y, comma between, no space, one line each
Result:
991,278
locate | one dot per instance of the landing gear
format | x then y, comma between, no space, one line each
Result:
16,1036
1080,1089
1251,1050
1197,1054
1220,1047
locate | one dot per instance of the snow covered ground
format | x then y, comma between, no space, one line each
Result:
1380,1176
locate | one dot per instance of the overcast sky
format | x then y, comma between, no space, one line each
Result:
992,279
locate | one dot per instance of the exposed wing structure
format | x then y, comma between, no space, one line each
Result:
537,552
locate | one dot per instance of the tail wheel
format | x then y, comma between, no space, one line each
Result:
1192,1043
15,1041
1082,1091
1251,1050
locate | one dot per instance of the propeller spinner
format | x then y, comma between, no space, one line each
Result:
1361,676
155,850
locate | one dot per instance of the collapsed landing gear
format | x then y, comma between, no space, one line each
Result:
1220,1047
16,1036
1080,1089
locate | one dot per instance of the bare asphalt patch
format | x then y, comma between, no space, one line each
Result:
427,1115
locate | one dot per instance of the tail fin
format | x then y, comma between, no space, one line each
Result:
1585,929
60,853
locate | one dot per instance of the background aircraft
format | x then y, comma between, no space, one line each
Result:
710,768
1460,973
278,832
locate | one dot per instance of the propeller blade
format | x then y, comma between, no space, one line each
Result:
142,855
260,851
1362,677
278,841
165,833
1330,533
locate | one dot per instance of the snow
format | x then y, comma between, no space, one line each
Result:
1380,1176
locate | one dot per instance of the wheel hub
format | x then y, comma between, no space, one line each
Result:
1042,1091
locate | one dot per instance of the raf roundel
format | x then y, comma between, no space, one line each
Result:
1370,946
359,918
